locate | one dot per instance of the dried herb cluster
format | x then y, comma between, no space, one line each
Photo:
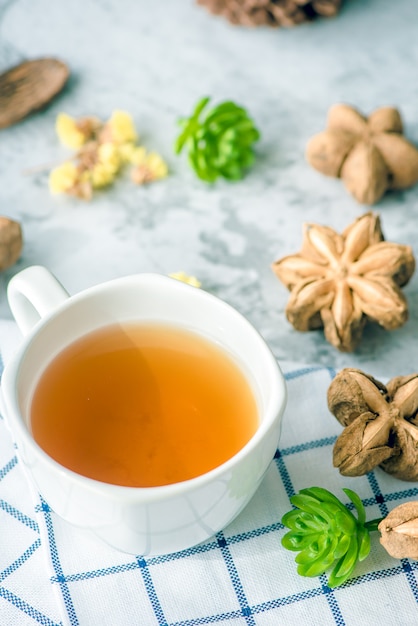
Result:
103,149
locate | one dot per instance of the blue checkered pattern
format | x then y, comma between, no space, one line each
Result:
52,573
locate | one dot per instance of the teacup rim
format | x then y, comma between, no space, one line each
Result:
277,403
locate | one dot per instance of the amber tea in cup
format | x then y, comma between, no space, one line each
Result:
143,405
133,383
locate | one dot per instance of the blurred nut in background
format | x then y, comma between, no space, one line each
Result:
11,242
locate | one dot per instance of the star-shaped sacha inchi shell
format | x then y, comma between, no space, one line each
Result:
380,423
369,154
339,281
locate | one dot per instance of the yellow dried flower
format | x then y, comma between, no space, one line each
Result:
101,176
152,162
108,163
185,278
122,127
157,166
101,152
147,167
83,188
68,132
108,155
137,156
63,178
126,151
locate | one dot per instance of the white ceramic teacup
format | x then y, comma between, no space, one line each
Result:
151,520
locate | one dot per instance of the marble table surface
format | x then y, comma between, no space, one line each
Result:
155,60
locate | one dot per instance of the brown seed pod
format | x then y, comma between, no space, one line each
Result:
381,424
370,154
399,531
28,87
11,242
340,281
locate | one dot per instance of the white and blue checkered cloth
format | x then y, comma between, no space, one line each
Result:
52,573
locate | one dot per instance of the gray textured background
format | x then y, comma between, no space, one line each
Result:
156,59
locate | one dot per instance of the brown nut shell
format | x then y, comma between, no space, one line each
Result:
11,242
28,87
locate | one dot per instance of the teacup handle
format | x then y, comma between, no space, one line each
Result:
33,293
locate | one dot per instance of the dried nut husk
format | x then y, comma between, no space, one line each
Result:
381,424
385,120
327,151
11,242
28,87
362,446
341,281
370,155
365,174
399,531
271,13
401,158
347,118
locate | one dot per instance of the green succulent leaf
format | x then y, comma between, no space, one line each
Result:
361,513
326,534
312,505
342,546
346,563
219,143
321,563
363,538
346,522
295,542
316,567
323,495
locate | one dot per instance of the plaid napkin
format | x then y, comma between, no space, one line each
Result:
52,573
